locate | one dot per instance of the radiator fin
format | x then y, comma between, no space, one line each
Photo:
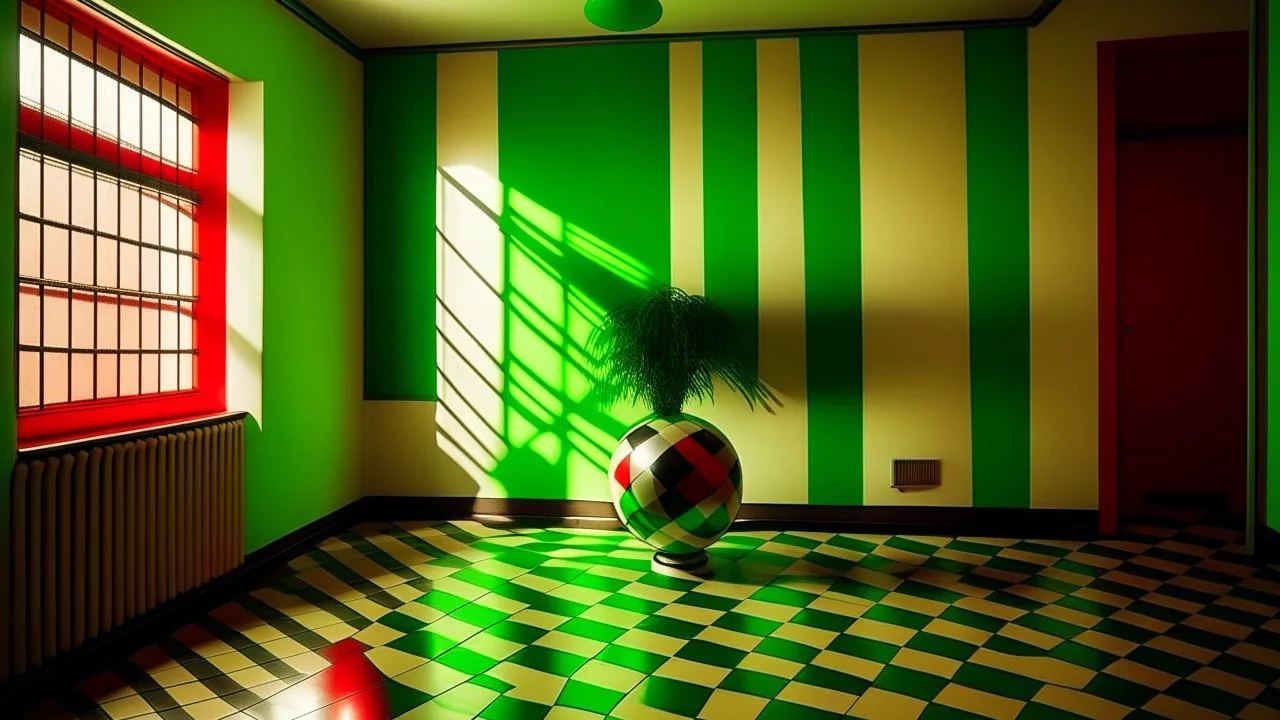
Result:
104,534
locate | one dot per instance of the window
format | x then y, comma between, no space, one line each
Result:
121,229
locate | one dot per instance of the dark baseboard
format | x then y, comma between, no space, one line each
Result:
881,520
1266,544
172,615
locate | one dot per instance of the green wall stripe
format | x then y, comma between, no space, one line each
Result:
584,133
999,265
730,187
400,219
8,224
832,267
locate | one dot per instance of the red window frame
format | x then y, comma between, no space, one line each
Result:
87,418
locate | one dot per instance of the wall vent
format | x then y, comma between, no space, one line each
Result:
916,474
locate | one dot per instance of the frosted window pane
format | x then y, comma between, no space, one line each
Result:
28,379
150,373
130,120
150,327
55,377
150,213
128,327
108,206
185,227
82,321
81,377
108,319
108,104
169,272
150,126
150,270
28,248
128,374
185,268
107,249
107,369
128,211
169,134
82,94
168,373
56,80
185,327
168,223
129,267
56,256
29,70
184,99
29,184
82,198
169,327
82,258
57,318
29,315
185,363
57,191
184,141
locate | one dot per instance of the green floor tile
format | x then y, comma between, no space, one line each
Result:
442,601
467,661
832,680
670,627
866,648
1036,711
493,683
710,602
548,660
585,696
673,696
996,682
1119,690
709,653
978,621
1175,665
783,710
1083,655
787,650
748,624
944,646
478,615
631,658
912,683
516,632
633,604
753,683
783,596
937,711
823,620
423,643
1207,696
591,629
897,616
856,589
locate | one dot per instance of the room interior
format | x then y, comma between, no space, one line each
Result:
939,332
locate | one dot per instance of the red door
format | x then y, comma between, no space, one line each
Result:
1182,212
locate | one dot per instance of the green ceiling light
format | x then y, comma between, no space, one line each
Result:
624,15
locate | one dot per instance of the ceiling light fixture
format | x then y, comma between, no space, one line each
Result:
624,15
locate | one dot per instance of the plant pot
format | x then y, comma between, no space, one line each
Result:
676,485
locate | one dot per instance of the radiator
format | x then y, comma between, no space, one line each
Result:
105,533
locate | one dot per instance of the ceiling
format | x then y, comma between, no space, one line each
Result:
371,24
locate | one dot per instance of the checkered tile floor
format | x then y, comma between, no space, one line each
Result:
464,620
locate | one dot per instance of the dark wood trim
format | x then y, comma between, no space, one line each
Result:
1267,544
167,618
1260,214
909,520
72,446
1197,132
322,26
1041,12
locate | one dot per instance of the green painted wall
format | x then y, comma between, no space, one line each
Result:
999,265
304,461
400,217
8,222
584,164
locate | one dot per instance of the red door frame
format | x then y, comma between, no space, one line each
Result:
1108,273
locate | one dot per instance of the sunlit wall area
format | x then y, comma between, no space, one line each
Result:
885,217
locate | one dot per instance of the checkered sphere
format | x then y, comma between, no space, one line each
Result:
676,483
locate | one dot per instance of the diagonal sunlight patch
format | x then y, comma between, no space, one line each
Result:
513,320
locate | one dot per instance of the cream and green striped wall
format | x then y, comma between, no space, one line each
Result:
903,226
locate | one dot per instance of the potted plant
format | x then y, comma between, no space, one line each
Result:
675,479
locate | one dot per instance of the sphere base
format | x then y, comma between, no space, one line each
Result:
694,566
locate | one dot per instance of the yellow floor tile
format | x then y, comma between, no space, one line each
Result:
391,662
932,608
805,635
877,704
926,663
126,707
1256,653
432,678
1234,684
690,613
531,685
1080,703
175,676
979,703
770,665
566,713
1044,669
650,642
768,611
251,677
1254,711
846,605
817,697
190,693
607,675
729,638
848,664
649,592
633,708
578,594
884,632
1044,641
956,631
1141,674
287,647
567,642
1218,627
1067,615
1182,649
334,633
1175,709
1106,643
986,607
692,672
537,618
214,709
728,705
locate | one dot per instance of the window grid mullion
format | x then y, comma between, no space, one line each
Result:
44,66
142,141
94,238
70,235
